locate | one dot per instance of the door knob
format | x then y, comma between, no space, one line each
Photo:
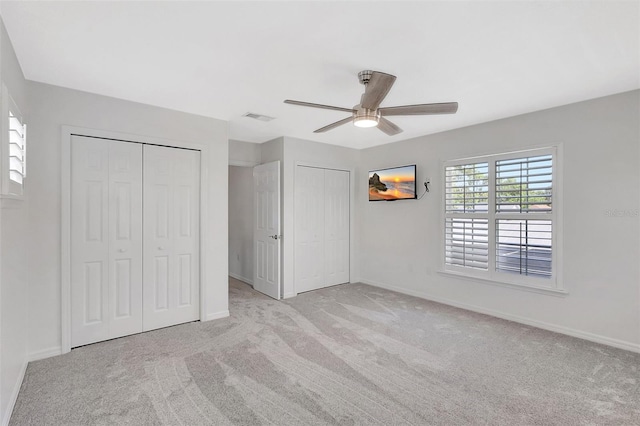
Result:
275,237
160,248
121,250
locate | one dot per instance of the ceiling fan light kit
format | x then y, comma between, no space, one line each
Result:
368,112
366,118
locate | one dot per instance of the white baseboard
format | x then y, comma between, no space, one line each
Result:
216,315
241,278
596,338
14,395
289,295
45,353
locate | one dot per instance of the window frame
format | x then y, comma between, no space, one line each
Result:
10,189
554,283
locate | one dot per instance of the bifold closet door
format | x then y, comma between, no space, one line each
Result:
171,236
106,239
321,228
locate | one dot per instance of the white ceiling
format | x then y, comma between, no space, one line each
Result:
223,59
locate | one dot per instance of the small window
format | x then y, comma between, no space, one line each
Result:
500,218
17,149
14,149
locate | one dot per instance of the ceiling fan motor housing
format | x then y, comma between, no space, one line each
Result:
365,76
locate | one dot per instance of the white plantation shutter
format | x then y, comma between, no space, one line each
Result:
499,219
17,149
467,242
466,211
524,247
466,188
524,184
524,193
13,148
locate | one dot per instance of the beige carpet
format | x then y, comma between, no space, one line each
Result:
350,354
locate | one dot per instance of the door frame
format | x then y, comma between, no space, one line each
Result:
352,226
65,210
279,232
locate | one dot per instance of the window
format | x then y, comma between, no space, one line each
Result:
17,149
500,218
14,149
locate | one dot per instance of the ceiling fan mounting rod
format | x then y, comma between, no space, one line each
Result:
365,76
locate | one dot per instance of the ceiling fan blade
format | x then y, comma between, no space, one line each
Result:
388,127
309,104
376,90
422,109
334,125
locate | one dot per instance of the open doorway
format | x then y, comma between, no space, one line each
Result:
241,257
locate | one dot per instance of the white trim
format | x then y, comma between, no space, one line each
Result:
585,335
11,201
289,295
14,394
243,163
241,278
65,239
65,235
501,154
536,289
215,315
45,353
320,166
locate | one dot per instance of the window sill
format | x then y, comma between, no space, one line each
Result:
525,287
11,201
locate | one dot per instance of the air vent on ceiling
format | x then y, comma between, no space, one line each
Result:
258,116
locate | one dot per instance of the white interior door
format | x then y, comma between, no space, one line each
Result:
106,239
309,229
336,227
266,230
171,236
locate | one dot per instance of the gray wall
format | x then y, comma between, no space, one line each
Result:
299,151
244,153
400,243
291,152
241,223
53,107
14,263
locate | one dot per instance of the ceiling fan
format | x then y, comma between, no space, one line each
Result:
368,112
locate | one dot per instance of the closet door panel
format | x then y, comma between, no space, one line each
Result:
89,241
309,229
106,239
336,227
125,236
171,236
187,225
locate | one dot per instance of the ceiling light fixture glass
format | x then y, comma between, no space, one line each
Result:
366,118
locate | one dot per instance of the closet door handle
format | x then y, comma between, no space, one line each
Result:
121,250
160,248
